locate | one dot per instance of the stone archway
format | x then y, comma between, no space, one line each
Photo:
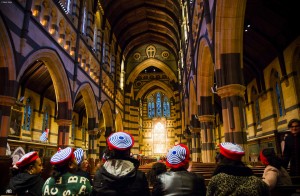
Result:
151,62
57,72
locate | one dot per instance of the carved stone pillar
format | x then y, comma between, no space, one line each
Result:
232,97
207,127
63,132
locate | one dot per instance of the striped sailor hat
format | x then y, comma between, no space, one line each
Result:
27,158
120,141
178,156
62,156
78,153
231,151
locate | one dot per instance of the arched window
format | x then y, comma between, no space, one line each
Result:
28,112
256,110
84,18
278,98
166,107
68,6
95,37
158,105
151,107
73,129
46,119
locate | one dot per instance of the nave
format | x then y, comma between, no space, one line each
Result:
197,72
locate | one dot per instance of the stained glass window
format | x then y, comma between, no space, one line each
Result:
27,115
158,105
46,119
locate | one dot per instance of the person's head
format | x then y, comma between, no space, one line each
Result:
230,153
294,126
268,157
64,160
178,157
30,163
156,169
159,168
119,144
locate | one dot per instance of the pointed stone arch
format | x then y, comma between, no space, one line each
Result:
205,71
7,63
106,111
57,72
89,100
147,63
146,87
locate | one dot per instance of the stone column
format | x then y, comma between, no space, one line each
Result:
232,97
93,149
207,126
196,149
63,132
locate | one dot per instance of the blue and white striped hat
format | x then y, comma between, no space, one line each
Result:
120,141
178,156
79,155
62,156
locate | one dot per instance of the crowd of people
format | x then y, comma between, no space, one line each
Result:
119,175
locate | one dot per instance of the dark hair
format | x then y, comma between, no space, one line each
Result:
293,121
59,170
119,154
222,160
272,158
157,168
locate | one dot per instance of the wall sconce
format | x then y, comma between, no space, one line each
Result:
36,10
53,29
61,38
72,51
67,45
45,20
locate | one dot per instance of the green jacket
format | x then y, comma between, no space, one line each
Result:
68,184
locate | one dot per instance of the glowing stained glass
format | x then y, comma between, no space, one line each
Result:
159,138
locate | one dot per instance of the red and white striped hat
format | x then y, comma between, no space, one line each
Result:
178,156
231,151
120,141
27,158
62,156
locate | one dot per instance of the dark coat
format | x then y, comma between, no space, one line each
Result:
123,180
291,154
237,181
179,182
26,184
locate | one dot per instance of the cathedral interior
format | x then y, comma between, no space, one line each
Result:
197,72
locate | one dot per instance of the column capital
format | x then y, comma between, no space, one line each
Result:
63,122
231,90
206,118
196,130
7,100
93,132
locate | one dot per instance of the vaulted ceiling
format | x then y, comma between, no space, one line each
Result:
270,26
137,22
